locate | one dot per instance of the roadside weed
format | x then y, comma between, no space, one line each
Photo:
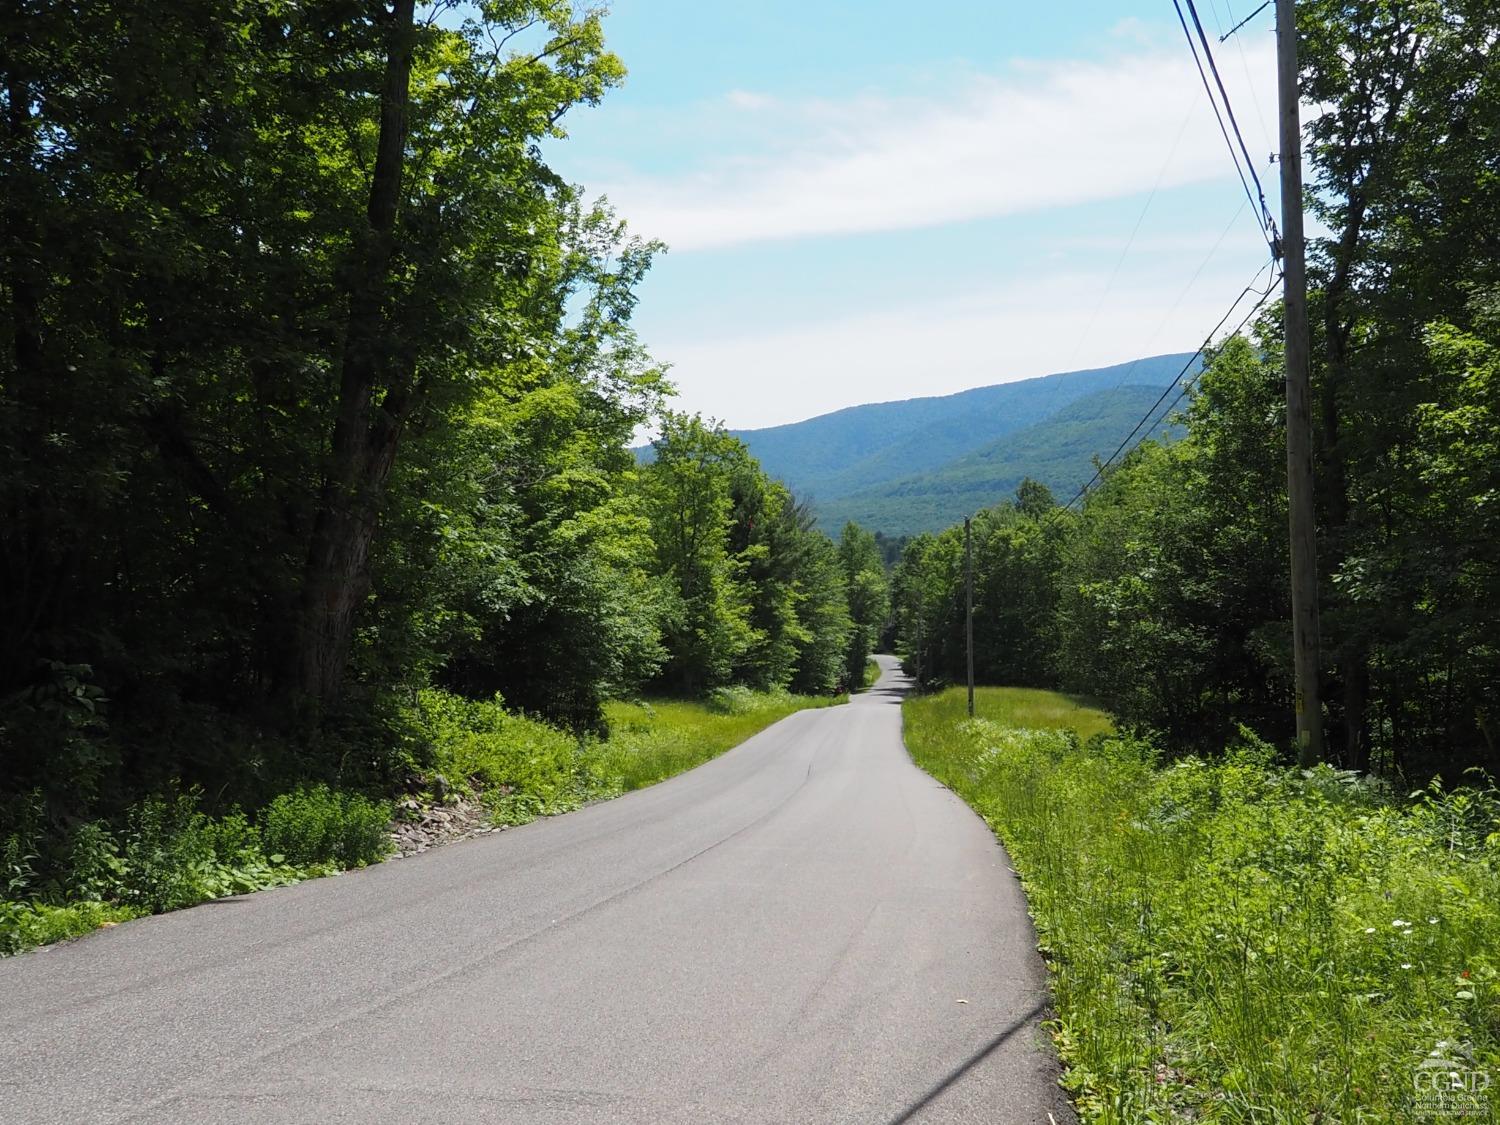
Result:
1230,940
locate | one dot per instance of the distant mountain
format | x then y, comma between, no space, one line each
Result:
1057,451
868,462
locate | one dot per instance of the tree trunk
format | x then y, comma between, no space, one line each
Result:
366,432
1349,652
30,576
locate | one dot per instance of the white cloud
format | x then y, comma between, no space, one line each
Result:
939,347
749,100
1044,135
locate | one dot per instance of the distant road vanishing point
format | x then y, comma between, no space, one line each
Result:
807,929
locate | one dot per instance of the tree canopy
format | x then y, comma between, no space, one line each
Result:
317,386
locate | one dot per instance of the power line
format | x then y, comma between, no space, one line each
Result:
1229,109
1225,37
1146,349
1239,46
1130,242
1234,156
1257,198
1182,382
1154,415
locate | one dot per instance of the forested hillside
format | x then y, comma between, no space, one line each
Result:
1058,451
861,448
316,388
1166,594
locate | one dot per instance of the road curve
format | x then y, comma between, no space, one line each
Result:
807,929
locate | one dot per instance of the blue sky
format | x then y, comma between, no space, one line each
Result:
869,201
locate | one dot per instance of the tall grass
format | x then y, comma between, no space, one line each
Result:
1023,708
1233,941
523,768
649,742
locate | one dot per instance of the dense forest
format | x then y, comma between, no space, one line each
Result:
1056,452
1166,594
317,387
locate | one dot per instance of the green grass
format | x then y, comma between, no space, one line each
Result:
27,925
523,768
650,741
1028,708
1233,941
872,673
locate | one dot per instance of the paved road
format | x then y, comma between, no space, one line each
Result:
782,935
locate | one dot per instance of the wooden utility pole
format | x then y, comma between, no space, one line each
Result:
969,608
1298,393
919,644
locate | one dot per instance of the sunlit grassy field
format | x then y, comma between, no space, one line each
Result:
1232,940
650,741
1027,708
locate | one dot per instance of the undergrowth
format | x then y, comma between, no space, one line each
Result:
1233,940
523,768
164,852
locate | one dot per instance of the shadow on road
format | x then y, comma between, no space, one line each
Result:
892,687
916,1107
895,693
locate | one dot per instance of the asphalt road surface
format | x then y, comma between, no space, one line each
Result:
807,929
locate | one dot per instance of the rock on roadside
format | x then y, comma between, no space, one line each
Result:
419,826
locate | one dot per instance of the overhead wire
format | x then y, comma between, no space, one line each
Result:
1145,349
1183,382
1225,37
1213,66
1239,46
1257,198
1188,288
1130,242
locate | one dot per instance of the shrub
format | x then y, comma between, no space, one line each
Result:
21,845
168,854
737,699
523,767
95,871
320,825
